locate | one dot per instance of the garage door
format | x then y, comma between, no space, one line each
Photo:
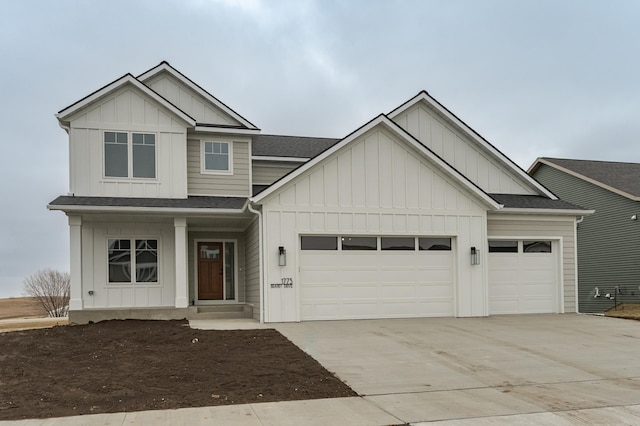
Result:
523,277
344,277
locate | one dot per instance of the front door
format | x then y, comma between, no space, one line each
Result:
210,271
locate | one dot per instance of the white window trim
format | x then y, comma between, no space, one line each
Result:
133,283
203,170
129,157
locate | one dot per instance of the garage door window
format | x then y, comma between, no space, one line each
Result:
398,243
434,244
503,246
359,243
536,246
319,243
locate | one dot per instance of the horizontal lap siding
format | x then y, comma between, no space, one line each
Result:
236,184
562,227
252,268
608,240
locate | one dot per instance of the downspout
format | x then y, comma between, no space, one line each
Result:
260,261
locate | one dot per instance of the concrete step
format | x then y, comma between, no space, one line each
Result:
229,311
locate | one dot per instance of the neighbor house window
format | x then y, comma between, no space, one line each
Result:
122,159
127,255
216,157
503,246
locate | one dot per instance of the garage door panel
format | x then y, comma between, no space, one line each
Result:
376,284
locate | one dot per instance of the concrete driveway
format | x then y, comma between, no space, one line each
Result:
424,370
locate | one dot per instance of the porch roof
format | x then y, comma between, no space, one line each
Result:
191,203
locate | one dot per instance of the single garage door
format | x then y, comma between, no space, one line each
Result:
523,277
347,277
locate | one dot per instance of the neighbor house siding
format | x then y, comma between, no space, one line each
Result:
265,173
236,184
538,227
458,150
252,268
608,240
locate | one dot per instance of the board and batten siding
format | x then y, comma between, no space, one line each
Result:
188,100
267,172
376,185
236,184
456,148
560,228
126,110
608,240
252,268
95,236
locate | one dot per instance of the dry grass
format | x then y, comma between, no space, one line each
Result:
20,307
625,310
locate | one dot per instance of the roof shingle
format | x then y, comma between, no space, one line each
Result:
289,146
192,202
518,201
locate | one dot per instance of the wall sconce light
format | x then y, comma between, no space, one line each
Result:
475,256
282,257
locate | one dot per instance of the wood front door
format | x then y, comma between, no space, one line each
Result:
210,271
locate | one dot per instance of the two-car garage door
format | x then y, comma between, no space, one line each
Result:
344,277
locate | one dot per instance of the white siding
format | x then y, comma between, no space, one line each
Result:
537,227
461,152
95,266
376,185
267,172
236,184
188,100
127,110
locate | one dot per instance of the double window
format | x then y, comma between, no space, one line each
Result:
216,157
133,261
129,155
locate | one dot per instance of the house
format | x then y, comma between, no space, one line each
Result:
179,205
608,240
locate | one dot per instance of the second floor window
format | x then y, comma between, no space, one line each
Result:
141,151
216,157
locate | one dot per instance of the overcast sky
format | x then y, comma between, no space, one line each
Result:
536,78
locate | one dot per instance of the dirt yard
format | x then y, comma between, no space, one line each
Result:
115,366
626,310
20,307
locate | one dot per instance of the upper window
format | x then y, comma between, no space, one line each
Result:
503,246
144,261
122,159
216,157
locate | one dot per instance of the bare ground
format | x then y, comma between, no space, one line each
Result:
626,310
116,366
20,307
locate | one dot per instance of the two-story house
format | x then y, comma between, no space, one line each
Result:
178,204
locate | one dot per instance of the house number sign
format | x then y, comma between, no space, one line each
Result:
284,283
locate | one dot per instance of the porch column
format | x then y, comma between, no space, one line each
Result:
75,262
182,277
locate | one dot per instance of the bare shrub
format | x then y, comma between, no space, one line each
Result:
51,289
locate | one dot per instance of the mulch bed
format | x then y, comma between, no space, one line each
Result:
116,366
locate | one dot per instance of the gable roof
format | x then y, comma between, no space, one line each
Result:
126,79
495,153
164,66
620,178
289,146
383,120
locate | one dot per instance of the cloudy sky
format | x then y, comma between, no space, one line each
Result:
555,78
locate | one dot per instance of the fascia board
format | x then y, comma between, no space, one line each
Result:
165,66
280,159
150,210
423,96
595,182
226,130
564,212
126,79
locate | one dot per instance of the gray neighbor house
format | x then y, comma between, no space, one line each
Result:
609,239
